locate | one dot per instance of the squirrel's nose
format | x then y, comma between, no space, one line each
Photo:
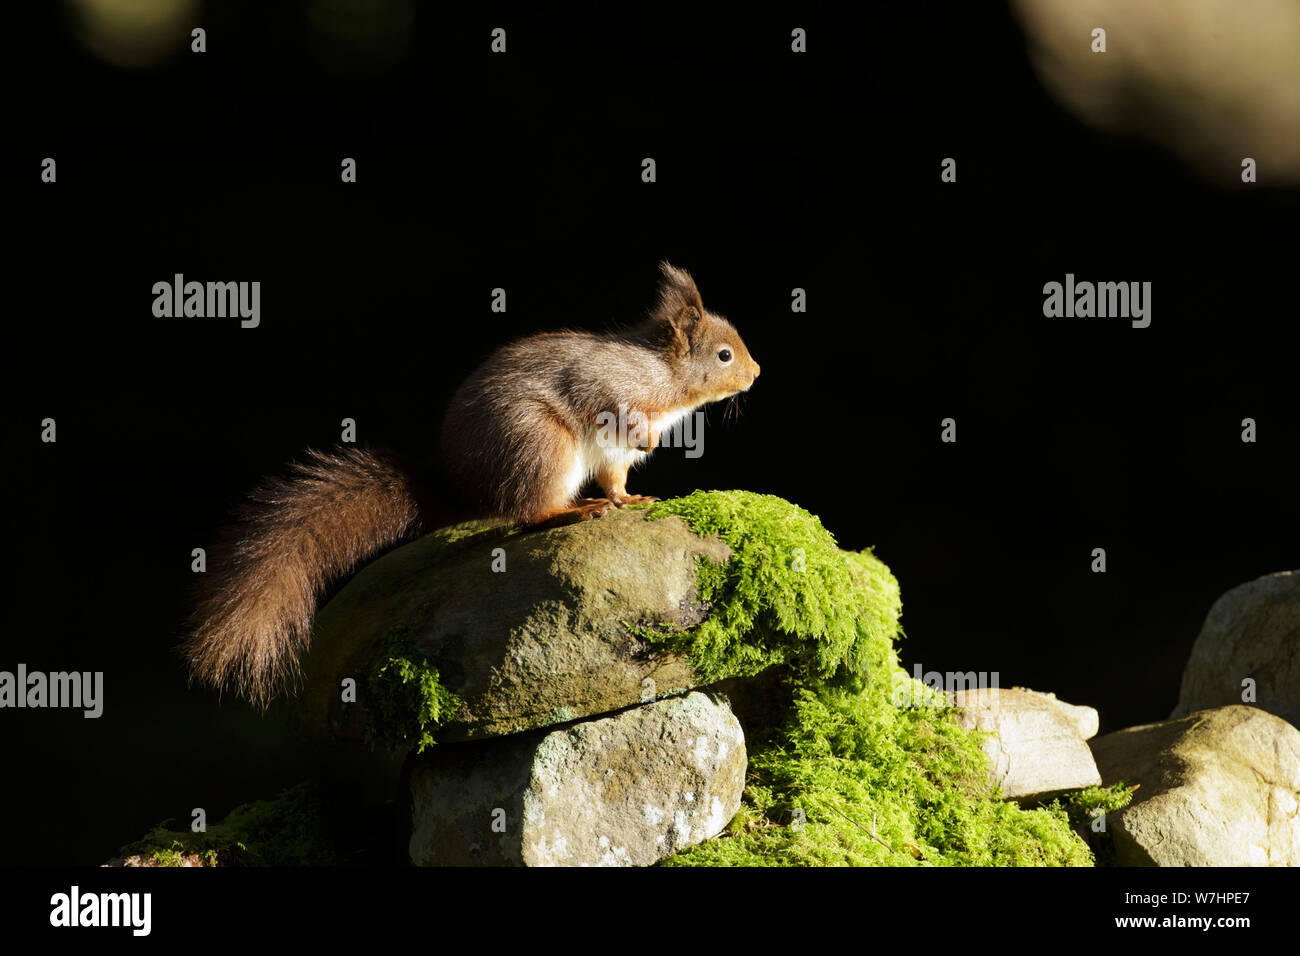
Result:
755,370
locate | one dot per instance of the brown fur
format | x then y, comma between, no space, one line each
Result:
514,426
519,442
256,603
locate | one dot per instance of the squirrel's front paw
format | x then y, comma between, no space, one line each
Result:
622,501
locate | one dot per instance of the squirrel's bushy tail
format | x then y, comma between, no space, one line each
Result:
257,600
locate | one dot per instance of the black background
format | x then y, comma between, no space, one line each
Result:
523,171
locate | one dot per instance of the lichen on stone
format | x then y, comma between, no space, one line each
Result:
561,715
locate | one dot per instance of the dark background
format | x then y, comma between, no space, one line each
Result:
523,171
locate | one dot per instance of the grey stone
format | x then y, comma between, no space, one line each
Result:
624,790
550,640
1251,631
1039,749
1216,788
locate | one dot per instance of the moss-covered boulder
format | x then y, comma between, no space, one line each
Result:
729,587
477,630
838,774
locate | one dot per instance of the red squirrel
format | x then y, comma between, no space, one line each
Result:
522,435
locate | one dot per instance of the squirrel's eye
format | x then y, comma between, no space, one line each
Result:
724,355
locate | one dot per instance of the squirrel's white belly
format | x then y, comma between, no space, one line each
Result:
594,451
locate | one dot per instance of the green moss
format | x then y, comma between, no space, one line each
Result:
783,596
1082,806
403,696
284,831
174,855
406,701
853,781
842,776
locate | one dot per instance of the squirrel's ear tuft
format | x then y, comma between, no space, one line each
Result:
677,293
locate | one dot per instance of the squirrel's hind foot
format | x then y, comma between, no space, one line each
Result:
584,509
